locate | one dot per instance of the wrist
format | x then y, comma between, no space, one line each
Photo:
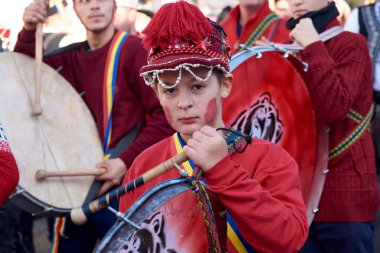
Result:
29,27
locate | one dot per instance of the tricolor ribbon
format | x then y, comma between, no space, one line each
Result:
233,234
109,87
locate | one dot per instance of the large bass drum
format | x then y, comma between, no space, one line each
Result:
64,137
161,220
270,101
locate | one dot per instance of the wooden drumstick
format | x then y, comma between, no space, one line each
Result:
36,107
79,215
43,174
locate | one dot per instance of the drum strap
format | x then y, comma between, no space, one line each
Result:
363,123
236,142
260,29
324,36
109,87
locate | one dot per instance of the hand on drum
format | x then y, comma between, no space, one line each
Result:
116,170
263,41
304,33
35,13
206,147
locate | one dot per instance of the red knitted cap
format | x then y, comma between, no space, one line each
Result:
180,36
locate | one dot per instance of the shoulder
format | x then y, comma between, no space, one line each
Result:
66,49
133,41
133,47
231,18
349,39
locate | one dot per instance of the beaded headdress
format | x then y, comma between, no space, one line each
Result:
179,37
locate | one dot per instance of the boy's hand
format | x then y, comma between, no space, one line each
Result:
304,33
35,13
206,148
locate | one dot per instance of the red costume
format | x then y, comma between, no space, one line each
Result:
264,23
133,101
254,192
270,192
339,81
8,169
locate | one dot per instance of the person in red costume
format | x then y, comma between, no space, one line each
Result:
254,185
105,65
249,21
8,168
340,85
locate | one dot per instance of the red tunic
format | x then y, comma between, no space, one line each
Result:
260,189
276,31
339,79
8,169
134,101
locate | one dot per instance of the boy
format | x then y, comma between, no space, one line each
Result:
340,86
257,190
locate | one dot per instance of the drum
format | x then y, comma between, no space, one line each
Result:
64,137
270,101
163,219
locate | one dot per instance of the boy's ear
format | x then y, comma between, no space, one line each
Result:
226,85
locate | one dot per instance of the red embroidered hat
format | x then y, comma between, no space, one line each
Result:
180,37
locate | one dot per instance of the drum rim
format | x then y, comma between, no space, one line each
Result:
46,209
140,202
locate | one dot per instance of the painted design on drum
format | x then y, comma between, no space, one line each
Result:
4,145
261,120
150,238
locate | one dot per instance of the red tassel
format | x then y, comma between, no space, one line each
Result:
176,23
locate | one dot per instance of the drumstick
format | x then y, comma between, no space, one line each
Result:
43,174
79,215
36,107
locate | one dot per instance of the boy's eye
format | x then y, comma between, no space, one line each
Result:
198,86
169,91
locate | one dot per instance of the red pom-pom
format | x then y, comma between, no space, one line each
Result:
175,23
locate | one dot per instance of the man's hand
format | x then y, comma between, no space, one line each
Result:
35,13
304,33
206,148
116,169
263,41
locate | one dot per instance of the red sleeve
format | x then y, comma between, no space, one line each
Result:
157,127
8,169
25,42
336,76
267,206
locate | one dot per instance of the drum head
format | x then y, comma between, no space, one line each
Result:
64,137
270,101
168,217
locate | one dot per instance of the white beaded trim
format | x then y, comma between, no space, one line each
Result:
150,77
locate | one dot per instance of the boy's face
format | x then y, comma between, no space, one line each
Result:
192,104
300,7
95,15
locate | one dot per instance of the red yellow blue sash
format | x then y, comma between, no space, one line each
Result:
232,230
260,29
363,123
109,86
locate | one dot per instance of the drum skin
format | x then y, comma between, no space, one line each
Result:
64,137
270,101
